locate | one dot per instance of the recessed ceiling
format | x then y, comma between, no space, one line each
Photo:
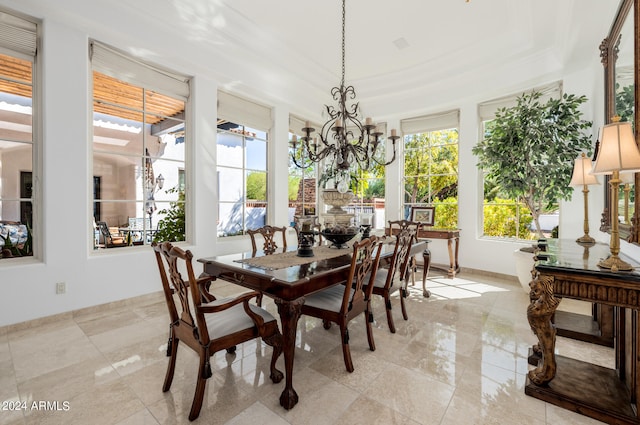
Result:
289,51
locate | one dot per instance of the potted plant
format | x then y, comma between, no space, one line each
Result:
529,149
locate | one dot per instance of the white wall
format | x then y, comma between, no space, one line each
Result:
65,253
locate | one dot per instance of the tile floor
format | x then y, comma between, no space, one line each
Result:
459,359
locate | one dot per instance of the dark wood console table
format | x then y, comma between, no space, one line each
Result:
608,395
453,239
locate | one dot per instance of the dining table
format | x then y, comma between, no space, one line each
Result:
288,278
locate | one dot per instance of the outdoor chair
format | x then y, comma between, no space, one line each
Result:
347,300
206,324
110,235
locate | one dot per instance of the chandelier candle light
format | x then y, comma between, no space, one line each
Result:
344,139
618,152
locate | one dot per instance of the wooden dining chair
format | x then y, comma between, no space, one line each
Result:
385,278
269,238
414,260
341,303
211,324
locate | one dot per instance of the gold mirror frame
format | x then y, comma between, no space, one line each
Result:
609,55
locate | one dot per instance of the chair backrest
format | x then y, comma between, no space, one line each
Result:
171,260
269,235
400,258
406,224
364,265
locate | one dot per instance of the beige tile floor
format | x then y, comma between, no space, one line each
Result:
459,359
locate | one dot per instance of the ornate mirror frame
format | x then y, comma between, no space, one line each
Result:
609,50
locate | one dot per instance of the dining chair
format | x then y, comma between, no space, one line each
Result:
206,324
415,260
385,278
269,235
345,301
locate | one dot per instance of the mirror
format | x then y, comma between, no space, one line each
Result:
621,82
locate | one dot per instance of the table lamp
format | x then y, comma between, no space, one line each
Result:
618,152
627,179
581,177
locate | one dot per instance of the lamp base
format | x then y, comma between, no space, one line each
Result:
615,264
586,240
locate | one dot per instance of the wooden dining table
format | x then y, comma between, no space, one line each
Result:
288,286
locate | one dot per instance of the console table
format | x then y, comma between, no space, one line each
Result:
453,239
609,395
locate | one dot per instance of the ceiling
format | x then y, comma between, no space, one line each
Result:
405,55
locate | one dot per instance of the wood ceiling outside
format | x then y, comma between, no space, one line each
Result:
111,96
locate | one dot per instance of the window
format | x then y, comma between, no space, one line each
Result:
431,166
504,217
303,184
242,178
138,150
242,148
18,144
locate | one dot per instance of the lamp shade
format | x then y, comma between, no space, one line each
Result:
581,172
618,150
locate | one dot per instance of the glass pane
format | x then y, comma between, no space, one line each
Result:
256,186
16,69
169,221
163,181
230,219
230,185
117,214
229,150
161,104
255,215
114,134
15,117
121,177
255,134
109,90
15,240
256,154
14,159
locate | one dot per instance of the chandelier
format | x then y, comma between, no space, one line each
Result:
344,139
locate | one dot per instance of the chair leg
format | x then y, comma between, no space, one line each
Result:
171,367
201,384
346,352
404,294
276,341
372,343
387,302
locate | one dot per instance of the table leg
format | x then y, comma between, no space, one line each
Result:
539,312
426,259
457,269
452,271
289,314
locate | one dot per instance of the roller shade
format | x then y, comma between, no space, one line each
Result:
487,110
18,35
114,63
432,122
242,111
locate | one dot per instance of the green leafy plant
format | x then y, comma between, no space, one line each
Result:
10,250
529,150
172,227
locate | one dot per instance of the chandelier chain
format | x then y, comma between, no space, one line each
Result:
343,38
